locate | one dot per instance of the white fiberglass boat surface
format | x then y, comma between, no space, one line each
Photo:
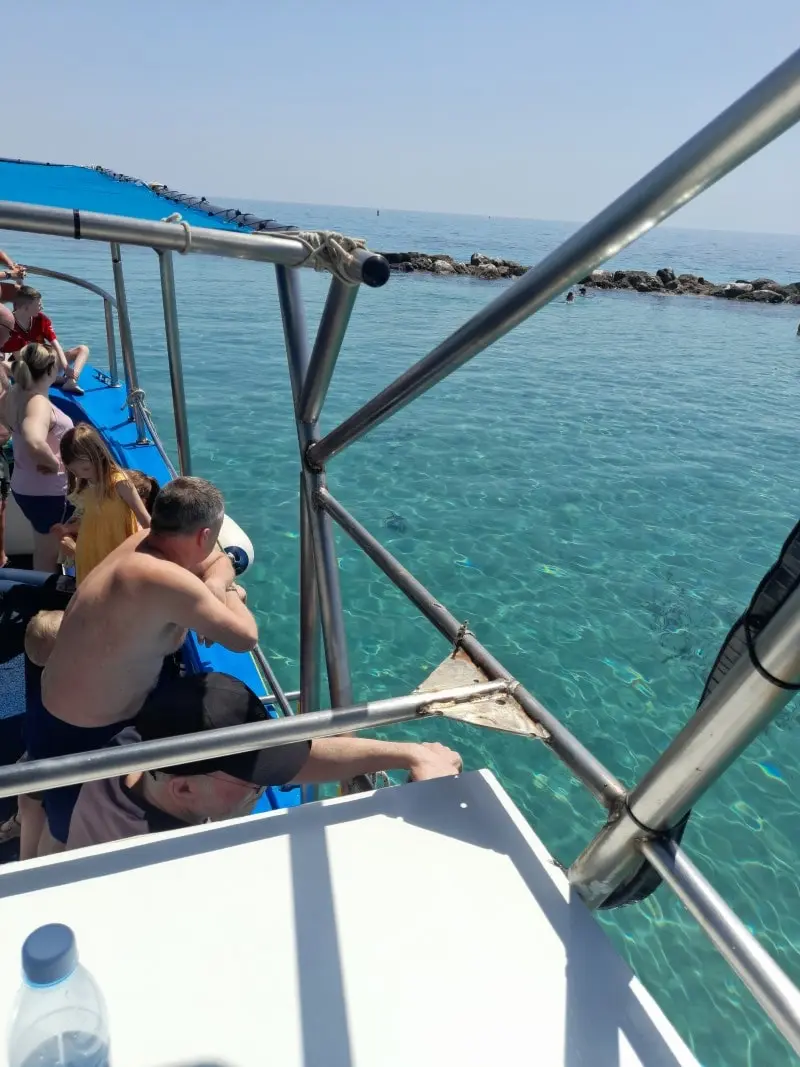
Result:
421,926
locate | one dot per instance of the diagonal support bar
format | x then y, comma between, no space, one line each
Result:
330,334
757,118
586,768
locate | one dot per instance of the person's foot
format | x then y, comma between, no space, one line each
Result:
72,387
9,830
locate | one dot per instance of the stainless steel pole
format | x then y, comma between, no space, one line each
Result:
19,778
173,335
325,560
113,369
164,236
126,343
757,118
602,784
733,714
280,698
330,334
309,612
772,988
288,249
292,695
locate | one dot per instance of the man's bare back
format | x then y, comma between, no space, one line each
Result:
131,612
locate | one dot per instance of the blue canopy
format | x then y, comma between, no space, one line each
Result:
104,191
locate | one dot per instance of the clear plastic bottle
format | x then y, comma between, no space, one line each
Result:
59,1017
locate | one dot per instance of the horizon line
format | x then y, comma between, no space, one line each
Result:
510,218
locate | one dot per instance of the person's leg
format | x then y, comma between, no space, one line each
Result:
49,845
3,497
76,357
32,820
45,552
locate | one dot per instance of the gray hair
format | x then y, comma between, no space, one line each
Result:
185,506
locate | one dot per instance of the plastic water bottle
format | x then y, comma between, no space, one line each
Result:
59,1017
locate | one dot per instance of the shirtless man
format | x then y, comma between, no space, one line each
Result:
126,621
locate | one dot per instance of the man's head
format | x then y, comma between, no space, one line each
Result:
188,514
40,636
27,302
222,787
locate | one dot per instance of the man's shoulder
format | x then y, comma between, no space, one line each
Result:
132,562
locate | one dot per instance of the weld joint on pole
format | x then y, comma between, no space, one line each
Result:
308,460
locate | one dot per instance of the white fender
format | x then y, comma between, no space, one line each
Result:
237,544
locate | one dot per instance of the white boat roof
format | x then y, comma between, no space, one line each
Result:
419,926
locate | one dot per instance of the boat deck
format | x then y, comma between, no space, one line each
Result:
424,925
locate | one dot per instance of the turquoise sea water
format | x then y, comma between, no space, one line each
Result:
598,494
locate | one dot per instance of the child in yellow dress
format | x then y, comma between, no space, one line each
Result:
109,507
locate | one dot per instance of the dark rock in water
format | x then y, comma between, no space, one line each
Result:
766,283
766,296
664,280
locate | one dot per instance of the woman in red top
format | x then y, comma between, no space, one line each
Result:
32,326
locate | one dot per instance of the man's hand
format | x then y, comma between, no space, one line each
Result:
432,760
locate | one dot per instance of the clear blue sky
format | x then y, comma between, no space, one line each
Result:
498,107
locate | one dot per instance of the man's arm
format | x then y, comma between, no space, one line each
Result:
216,573
191,604
338,759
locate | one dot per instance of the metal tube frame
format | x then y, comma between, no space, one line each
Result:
309,612
126,343
733,714
286,248
108,304
330,335
173,337
755,119
769,984
278,695
18,778
326,565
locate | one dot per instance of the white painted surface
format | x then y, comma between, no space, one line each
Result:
422,926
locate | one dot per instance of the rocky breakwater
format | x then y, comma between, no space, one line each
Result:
479,266
760,290
664,281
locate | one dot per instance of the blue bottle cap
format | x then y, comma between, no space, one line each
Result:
49,954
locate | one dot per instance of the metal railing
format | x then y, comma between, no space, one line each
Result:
109,303
734,713
18,778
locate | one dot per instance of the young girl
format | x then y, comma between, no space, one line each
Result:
110,508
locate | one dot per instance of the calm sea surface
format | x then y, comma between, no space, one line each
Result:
598,494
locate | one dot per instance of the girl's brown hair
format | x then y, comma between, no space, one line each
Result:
84,442
146,486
